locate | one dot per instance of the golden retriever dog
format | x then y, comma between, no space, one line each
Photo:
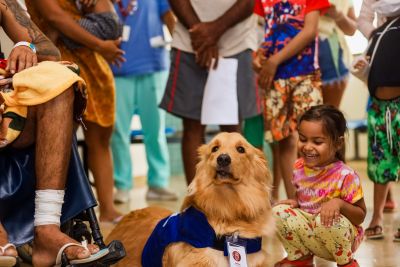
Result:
231,188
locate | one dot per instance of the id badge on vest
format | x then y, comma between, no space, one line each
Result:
126,32
236,251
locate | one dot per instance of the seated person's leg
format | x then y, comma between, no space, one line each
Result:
50,127
10,251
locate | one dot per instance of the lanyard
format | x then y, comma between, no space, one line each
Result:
129,10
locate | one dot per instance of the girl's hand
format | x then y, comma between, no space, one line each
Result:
291,202
361,63
267,73
21,57
258,59
110,50
330,212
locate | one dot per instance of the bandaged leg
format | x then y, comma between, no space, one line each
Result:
48,204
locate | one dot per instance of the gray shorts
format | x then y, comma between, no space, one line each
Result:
185,87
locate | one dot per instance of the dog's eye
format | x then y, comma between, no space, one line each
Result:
214,149
240,149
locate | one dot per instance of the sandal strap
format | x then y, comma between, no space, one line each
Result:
61,251
6,246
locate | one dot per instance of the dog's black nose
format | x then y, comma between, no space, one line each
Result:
223,160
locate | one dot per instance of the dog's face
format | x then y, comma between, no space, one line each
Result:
231,175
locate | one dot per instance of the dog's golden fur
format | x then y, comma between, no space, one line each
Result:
234,198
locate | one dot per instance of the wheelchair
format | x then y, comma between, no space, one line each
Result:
17,190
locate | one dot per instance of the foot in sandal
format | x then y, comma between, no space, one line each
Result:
48,243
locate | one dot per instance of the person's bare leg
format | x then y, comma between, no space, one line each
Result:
230,128
390,203
97,139
333,93
287,157
4,240
49,125
380,190
276,171
193,137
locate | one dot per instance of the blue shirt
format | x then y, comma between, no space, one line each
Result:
145,23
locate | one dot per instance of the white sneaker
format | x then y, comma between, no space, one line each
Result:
158,193
122,196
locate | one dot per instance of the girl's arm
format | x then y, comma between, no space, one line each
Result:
65,24
346,22
297,44
354,212
366,18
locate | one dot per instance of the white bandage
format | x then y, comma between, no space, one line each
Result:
48,204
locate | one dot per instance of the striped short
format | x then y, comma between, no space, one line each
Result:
185,87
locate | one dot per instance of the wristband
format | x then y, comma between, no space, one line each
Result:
23,43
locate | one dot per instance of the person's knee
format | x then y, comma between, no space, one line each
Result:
281,213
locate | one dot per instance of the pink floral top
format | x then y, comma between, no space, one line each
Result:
318,185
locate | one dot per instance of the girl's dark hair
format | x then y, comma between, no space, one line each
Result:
333,121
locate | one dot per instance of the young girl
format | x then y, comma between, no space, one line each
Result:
325,216
288,72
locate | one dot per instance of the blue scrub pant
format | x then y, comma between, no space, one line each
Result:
140,94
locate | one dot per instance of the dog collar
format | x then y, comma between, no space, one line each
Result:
253,245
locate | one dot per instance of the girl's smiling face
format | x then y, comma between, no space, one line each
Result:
315,145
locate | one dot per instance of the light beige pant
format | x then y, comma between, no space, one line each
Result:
303,234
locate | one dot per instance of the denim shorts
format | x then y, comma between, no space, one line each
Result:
331,72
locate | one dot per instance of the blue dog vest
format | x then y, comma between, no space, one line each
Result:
192,227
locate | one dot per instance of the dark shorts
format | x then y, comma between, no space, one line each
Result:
185,87
331,72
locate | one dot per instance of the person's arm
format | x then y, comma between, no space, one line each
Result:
26,30
205,34
346,22
185,13
65,24
366,18
169,19
297,44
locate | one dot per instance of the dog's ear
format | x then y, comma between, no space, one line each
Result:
261,165
191,190
202,151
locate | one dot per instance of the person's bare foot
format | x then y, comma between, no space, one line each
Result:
48,241
111,216
11,251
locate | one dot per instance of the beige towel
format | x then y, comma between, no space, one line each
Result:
33,86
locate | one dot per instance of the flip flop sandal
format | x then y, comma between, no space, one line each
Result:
62,259
7,261
377,232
